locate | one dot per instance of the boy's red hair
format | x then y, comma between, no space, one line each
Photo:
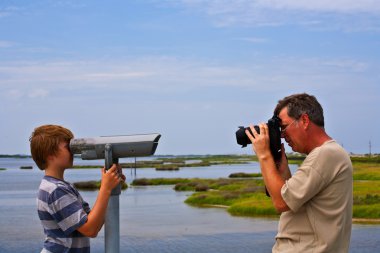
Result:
45,140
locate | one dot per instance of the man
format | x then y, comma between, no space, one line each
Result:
316,202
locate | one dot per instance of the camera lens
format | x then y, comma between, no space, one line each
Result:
274,136
241,138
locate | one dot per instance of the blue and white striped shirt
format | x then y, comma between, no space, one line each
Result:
62,210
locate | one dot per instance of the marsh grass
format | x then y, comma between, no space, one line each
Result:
366,171
159,181
241,197
241,202
244,175
93,185
366,188
167,167
243,194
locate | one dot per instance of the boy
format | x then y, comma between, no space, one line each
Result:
66,218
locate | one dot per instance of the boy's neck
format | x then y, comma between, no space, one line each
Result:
54,172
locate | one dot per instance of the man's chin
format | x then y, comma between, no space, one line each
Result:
291,145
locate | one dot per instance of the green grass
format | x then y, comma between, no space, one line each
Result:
367,211
241,197
93,185
243,194
158,181
244,175
258,205
366,171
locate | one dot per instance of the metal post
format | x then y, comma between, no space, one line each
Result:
112,222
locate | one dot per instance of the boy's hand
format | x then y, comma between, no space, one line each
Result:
112,177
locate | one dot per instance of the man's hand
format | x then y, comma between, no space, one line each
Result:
260,142
273,179
282,165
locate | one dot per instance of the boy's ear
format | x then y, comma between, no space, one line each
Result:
49,159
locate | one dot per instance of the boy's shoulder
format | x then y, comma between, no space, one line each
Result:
49,184
52,189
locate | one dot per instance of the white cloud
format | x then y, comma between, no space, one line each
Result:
348,15
172,75
342,6
6,44
255,40
115,75
215,7
25,92
14,94
8,11
38,93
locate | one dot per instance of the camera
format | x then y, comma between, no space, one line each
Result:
274,136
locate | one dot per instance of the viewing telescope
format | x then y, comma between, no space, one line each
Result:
111,148
122,146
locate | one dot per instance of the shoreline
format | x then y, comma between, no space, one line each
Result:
364,221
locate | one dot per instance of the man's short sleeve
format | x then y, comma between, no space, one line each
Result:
301,187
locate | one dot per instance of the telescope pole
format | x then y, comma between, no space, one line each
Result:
112,222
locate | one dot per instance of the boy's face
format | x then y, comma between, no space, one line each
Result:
63,158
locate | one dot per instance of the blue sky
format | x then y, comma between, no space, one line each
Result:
191,70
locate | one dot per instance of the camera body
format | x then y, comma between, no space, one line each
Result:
274,136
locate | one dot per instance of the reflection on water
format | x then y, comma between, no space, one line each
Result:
153,219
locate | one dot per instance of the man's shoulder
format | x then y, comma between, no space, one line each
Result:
327,149
329,155
333,150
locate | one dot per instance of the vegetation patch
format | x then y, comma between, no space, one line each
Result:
158,181
167,167
93,185
258,205
366,171
240,196
244,175
243,194
26,167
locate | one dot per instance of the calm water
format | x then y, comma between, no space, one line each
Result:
153,219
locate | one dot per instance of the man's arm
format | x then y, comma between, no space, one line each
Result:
96,218
273,179
283,166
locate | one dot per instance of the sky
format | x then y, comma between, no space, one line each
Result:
191,70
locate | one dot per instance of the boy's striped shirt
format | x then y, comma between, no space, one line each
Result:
62,210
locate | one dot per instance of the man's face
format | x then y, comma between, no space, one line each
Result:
290,130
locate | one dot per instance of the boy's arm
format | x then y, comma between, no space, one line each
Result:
95,219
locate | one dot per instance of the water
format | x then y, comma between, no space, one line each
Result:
152,219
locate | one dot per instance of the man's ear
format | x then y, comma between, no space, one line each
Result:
305,120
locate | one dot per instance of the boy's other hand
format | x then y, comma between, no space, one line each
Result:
112,177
